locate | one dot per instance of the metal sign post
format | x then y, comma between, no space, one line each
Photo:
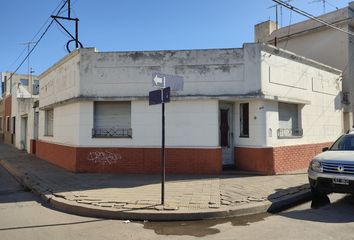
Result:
162,96
157,97
163,167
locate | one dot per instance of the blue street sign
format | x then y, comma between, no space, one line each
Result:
159,96
156,97
166,93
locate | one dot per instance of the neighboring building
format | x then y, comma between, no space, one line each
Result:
20,93
321,43
1,110
1,120
258,108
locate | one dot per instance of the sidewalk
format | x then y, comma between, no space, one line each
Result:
137,196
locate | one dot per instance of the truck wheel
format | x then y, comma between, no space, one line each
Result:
317,194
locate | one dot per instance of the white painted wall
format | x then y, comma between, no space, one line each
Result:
89,74
257,124
23,107
205,72
290,80
60,82
65,125
293,79
326,45
320,121
192,123
188,124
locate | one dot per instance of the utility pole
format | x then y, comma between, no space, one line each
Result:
74,37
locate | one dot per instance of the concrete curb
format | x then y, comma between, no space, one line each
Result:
155,215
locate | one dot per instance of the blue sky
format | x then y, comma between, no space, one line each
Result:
122,25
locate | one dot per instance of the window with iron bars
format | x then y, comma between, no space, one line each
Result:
112,120
289,115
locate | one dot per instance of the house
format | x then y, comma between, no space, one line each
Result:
1,119
21,91
258,108
316,41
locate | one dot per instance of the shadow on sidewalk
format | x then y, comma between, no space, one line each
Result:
50,225
287,196
324,211
29,165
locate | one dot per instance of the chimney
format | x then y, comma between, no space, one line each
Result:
263,30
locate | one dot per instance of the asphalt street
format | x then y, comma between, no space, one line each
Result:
23,215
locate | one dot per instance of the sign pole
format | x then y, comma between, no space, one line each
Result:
166,83
163,157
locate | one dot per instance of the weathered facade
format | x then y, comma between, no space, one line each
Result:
21,91
257,108
1,119
321,43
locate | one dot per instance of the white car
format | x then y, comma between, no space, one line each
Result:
333,169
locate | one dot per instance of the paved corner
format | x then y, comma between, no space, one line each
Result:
137,197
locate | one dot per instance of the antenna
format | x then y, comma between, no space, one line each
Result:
278,12
28,59
323,4
76,38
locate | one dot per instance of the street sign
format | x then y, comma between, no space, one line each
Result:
155,97
162,80
166,94
159,96
166,83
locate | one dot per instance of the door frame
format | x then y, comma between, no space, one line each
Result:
231,121
24,132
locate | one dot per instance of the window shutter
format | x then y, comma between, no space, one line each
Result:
49,122
112,115
288,116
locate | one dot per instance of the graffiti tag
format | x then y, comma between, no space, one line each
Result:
104,158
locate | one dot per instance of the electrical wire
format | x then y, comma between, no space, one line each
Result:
289,28
287,5
32,40
332,5
37,42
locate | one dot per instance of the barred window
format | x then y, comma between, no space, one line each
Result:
289,120
112,119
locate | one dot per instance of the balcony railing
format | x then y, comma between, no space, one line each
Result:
289,132
112,132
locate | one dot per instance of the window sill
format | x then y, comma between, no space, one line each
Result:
112,133
244,136
290,137
100,137
48,135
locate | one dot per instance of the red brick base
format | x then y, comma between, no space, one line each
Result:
32,146
131,160
59,155
178,160
278,159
